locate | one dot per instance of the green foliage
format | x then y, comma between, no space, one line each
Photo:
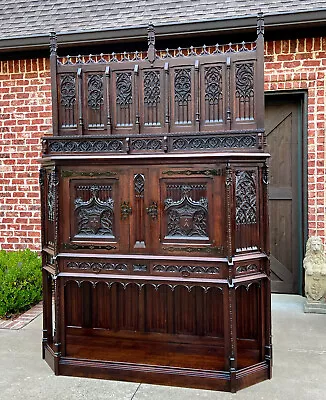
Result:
20,281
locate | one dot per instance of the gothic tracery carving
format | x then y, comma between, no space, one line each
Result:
182,86
124,89
68,91
95,91
186,217
246,198
95,216
151,88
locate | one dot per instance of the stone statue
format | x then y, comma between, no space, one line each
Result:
315,265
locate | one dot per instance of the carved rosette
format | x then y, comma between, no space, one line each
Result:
246,198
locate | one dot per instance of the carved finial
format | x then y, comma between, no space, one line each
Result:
260,24
151,43
53,43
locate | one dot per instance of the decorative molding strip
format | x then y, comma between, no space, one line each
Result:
68,174
71,246
207,172
137,56
188,249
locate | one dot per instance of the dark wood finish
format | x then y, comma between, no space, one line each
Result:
154,218
282,139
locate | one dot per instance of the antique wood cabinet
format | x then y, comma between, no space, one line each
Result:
154,217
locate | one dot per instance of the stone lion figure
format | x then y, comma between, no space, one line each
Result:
315,265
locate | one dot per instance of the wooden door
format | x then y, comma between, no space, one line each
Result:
283,138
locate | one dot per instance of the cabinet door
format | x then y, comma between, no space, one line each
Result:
95,209
191,210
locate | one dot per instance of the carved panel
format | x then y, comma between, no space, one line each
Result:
213,94
139,184
94,216
187,217
139,268
124,99
67,90
139,189
152,95
95,91
124,89
244,91
182,86
52,184
246,198
182,95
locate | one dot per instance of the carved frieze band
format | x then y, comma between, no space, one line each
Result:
213,142
246,268
186,269
246,198
160,143
97,266
86,146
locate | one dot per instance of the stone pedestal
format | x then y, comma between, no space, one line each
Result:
315,307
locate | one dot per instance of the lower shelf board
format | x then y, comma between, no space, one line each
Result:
158,374
206,355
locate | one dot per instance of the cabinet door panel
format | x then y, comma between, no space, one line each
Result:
191,210
94,210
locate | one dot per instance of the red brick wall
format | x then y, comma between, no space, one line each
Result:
301,64
25,116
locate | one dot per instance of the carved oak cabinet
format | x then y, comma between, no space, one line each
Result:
154,217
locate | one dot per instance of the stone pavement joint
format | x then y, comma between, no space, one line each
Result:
23,319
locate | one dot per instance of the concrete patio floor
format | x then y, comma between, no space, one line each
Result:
299,366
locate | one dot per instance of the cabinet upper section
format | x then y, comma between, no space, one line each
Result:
193,99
